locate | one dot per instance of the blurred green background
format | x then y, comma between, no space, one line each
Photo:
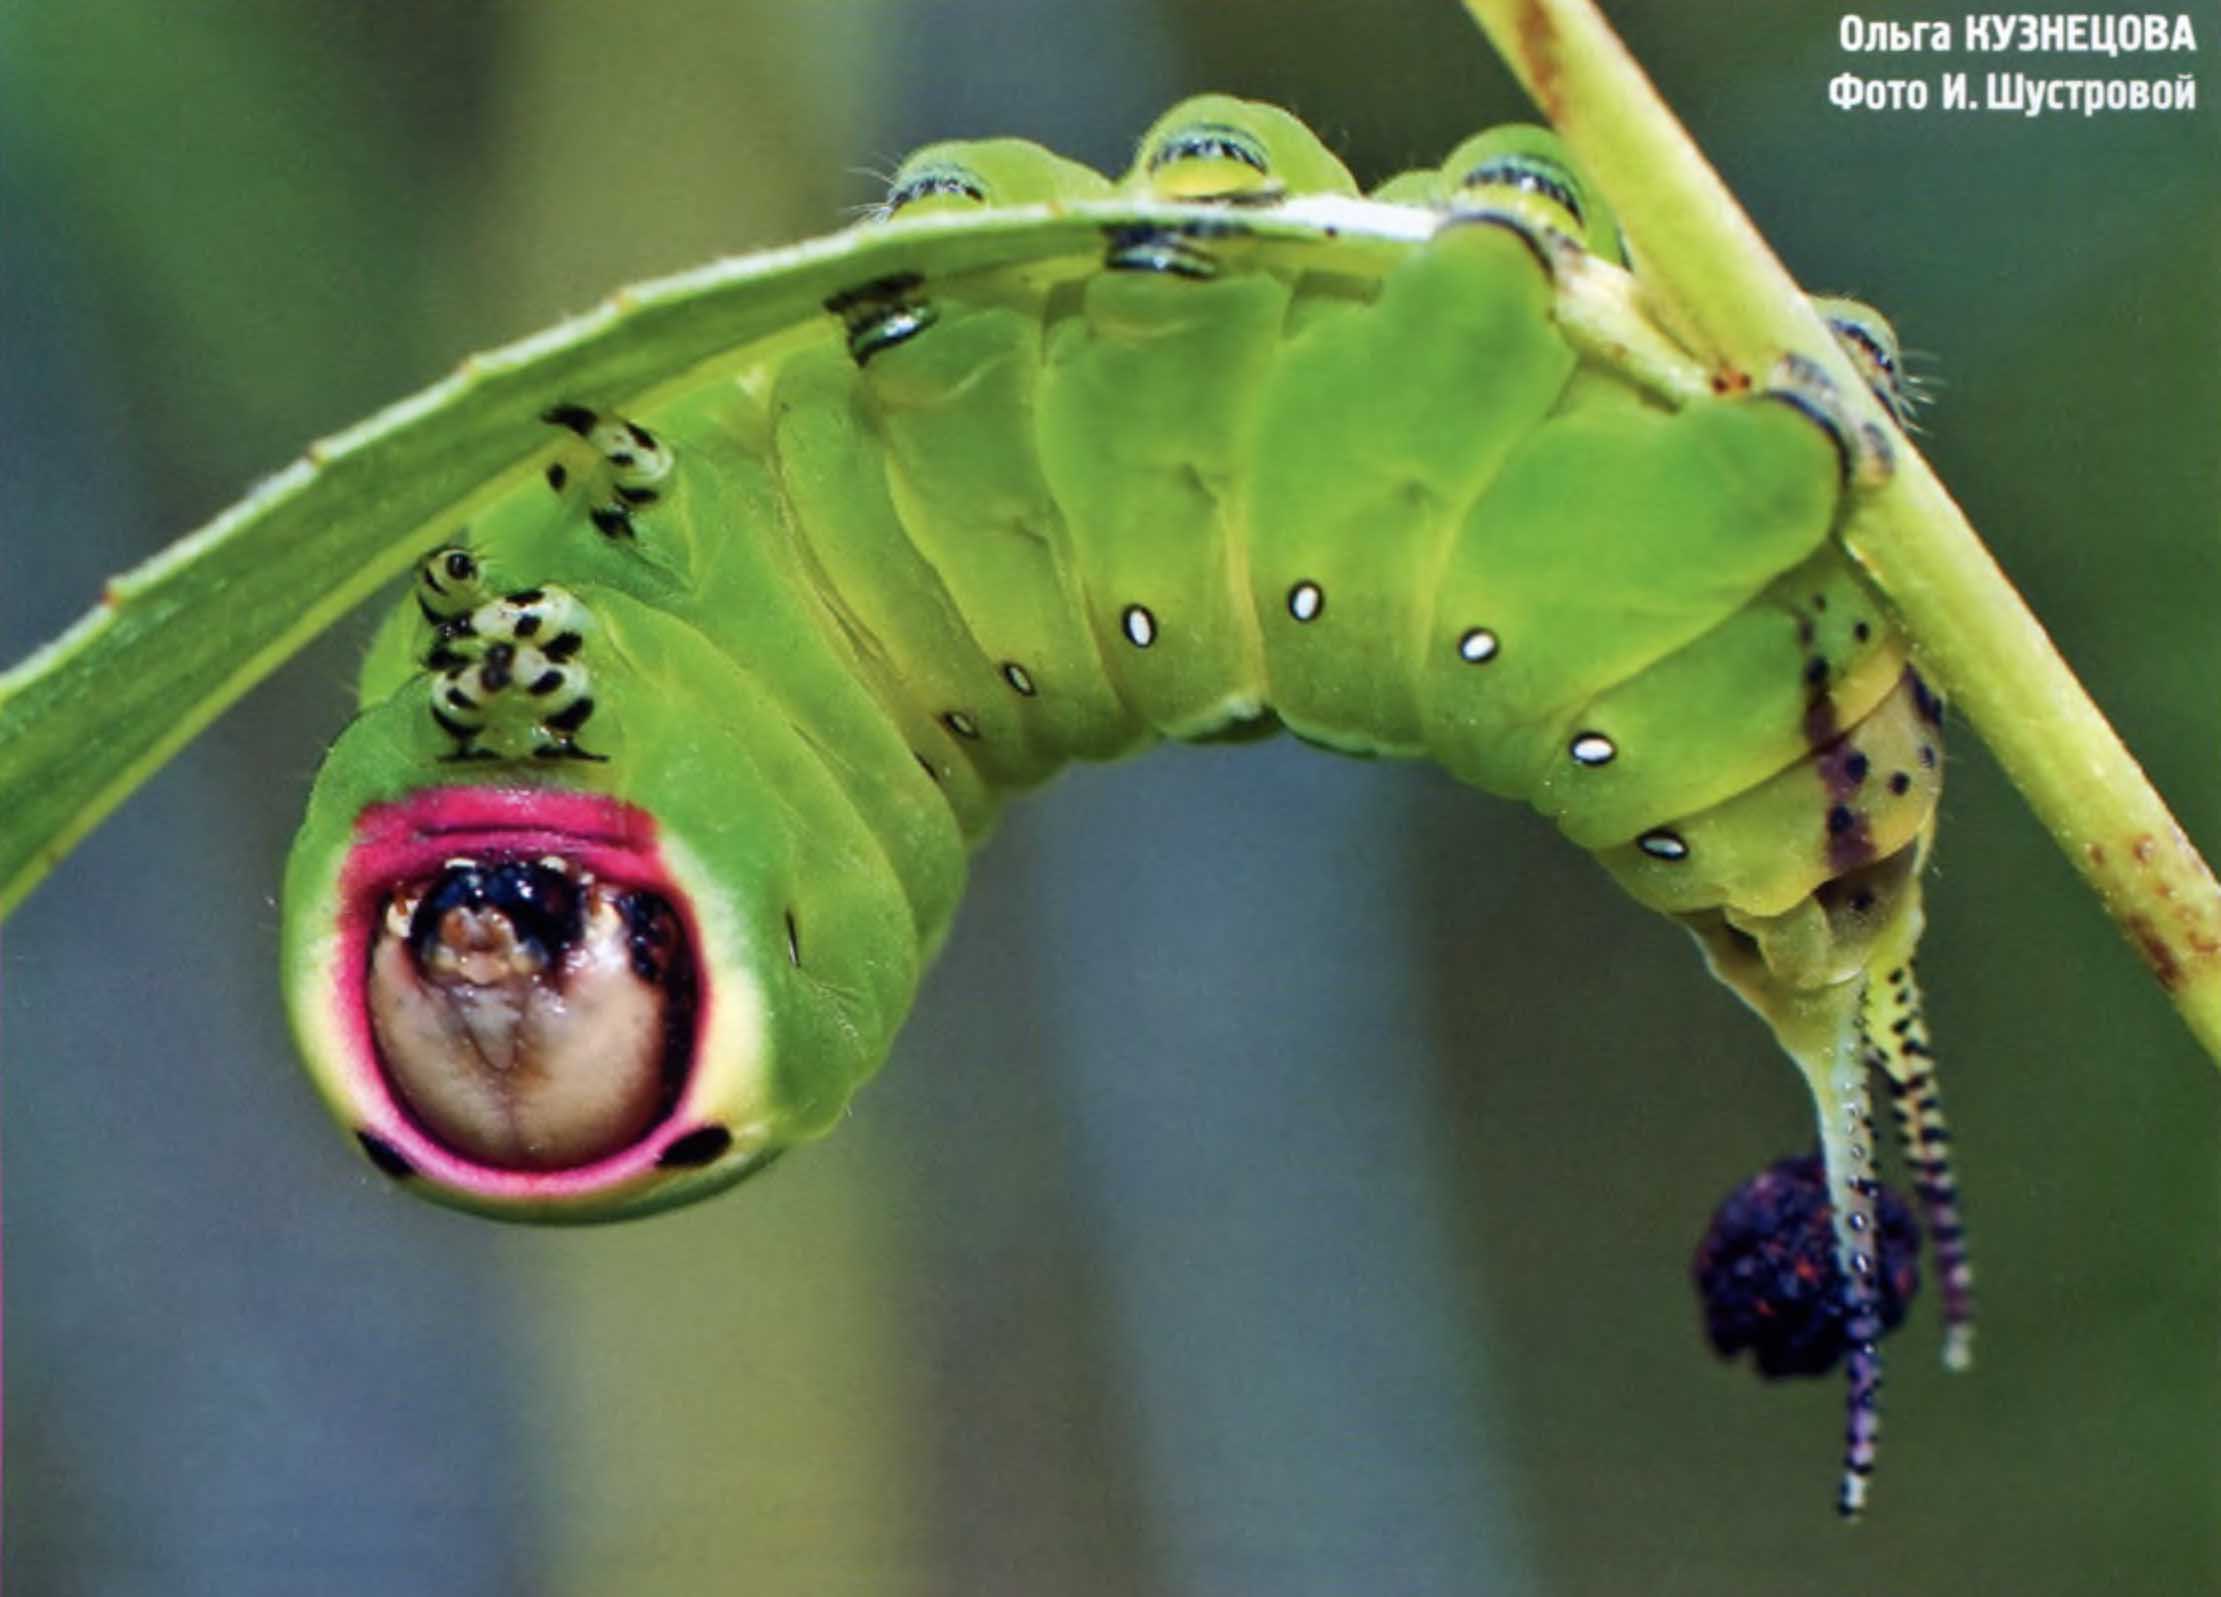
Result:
1287,1182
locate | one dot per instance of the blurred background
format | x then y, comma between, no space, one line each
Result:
1287,1182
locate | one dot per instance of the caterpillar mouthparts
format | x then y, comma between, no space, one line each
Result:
527,1014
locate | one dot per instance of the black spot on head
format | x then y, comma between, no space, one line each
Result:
640,435
572,717
623,459
1816,671
563,645
1820,602
460,566
527,624
385,1156
557,476
1841,820
1900,783
1862,632
528,596
1855,766
610,521
545,683
577,418
1928,755
701,1146
636,496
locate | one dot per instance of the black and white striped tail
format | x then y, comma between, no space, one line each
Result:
1897,1042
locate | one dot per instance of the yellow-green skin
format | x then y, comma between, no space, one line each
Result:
873,597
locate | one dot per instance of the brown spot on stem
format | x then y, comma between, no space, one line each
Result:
1538,47
2157,954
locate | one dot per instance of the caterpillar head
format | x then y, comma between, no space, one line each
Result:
508,994
572,975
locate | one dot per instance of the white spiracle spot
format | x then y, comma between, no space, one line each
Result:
1592,748
1477,647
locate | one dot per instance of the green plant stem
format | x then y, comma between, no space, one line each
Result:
1973,635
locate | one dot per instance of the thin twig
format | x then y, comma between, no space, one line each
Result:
1971,631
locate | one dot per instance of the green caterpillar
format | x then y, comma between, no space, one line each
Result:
665,777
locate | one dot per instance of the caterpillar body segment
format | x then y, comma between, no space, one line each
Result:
1351,543
973,174
676,753
1522,169
1216,147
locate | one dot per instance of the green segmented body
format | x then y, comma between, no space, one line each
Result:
818,605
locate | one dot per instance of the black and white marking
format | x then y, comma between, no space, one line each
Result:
1592,749
1139,626
1477,647
495,680
883,313
1306,600
633,461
